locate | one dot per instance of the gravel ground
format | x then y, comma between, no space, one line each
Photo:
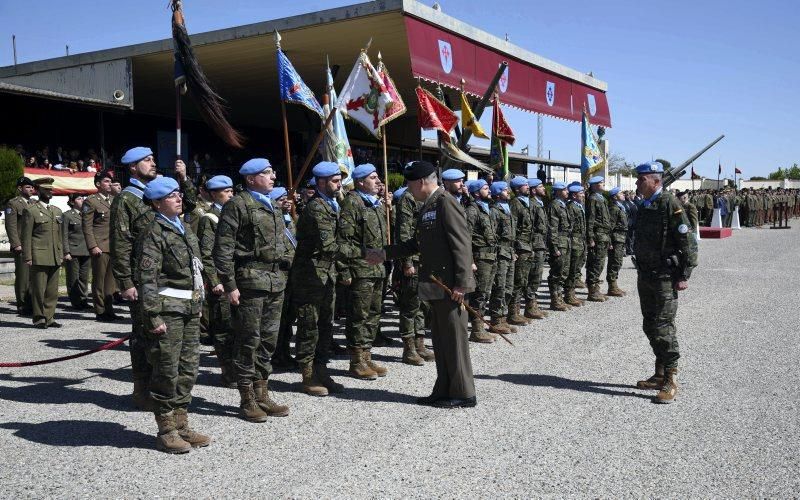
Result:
557,416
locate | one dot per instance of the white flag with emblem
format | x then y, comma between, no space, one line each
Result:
364,97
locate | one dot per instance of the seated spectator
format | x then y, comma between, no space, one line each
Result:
91,166
31,163
72,166
46,164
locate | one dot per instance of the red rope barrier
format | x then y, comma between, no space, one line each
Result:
103,347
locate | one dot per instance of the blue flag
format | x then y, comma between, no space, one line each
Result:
293,89
591,158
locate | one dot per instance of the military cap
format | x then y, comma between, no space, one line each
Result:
652,167
327,169
614,191
534,182
476,185
160,187
575,188
136,154
99,176
312,182
596,179
559,185
417,170
73,196
277,193
452,174
254,166
44,182
497,187
518,181
24,181
219,182
363,170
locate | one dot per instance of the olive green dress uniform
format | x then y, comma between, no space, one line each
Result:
664,255
619,231
577,245
96,229
483,235
412,315
78,268
598,231
16,207
253,254
443,243
558,242
40,232
523,248
504,274
362,226
539,230
169,267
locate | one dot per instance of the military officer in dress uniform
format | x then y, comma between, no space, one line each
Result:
43,253
16,207
76,254
665,258
96,214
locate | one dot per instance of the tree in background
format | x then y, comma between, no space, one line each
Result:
792,173
11,169
618,165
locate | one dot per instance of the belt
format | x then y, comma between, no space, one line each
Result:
177,293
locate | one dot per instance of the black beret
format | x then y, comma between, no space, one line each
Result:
417,170
24,181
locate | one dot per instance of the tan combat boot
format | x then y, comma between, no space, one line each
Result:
195,439
311,385
511,328
358,367
572,299
266,403
614,290
580,284
423,351
168,440
515,318
655,381
670,388
410,356
479,333
557,303
321,371
498,326
533,311
141,395
248,408
380,370
595,295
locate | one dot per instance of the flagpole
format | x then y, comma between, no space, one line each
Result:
289,179
386,187
314,147
178,121
692,176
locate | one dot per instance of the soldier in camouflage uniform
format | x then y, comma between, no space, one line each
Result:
203,205
483,234
504,273
616,250
523,222
538,249
362,224
220,190
577,243
252,254
76,255
598,237
14,212
171,292
558,245
664,260
313,280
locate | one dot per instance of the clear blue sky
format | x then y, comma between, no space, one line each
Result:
679,73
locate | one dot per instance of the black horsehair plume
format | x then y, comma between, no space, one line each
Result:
208,102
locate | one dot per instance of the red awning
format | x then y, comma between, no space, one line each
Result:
441,56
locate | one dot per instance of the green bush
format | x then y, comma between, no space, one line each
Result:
395,181
11,169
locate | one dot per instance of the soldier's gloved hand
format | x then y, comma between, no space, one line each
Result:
233,297
409,271
159,330
130,295
68,257
218,290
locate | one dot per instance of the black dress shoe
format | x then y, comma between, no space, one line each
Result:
427,400
41,326
54,324
456,403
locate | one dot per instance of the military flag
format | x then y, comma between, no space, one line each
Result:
591,157
397,106
364,97
737,171
502,137
468,120
337,145
293,89
434,114
695,176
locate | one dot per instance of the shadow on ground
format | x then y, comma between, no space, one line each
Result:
552,381
80,433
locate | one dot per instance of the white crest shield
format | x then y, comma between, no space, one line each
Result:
550,93
592,104
446,56
503,83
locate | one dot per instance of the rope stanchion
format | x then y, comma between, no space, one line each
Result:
104,347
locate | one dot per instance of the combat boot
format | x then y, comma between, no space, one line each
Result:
670,388
195,439
380,370
572,299
321,371
556,304
248,408
516,319
358,367
168,439
478,333
311,385
410,356
423,351
266,403
498,326
655,381
141,395
533,311
580,284
595,295
511,328
614,290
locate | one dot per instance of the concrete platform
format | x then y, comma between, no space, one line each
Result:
715,232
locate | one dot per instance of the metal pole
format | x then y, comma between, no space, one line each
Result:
178,122
67,50
14,43
386,188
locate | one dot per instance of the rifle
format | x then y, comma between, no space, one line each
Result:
674,173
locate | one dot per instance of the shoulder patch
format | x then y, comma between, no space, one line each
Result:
683,229
9,210
86,207
147,263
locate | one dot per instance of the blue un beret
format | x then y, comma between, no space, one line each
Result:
327,169
277,193
497,187
596,179
400,192
575,188
534,182
653,167
559,185
219,182
362,171
160,187
452,174
518,181
476,185
254,166
133,155
614,191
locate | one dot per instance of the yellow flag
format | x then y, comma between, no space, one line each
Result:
468,120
